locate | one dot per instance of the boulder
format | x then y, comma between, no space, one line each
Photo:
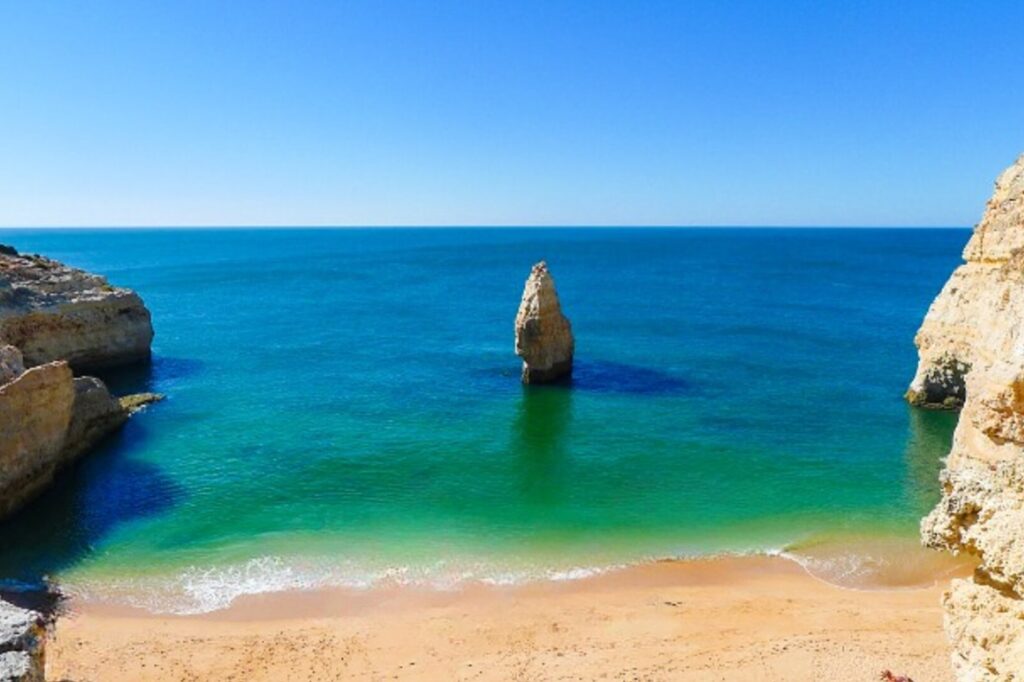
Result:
22,644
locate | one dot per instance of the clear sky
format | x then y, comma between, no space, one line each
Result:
477,112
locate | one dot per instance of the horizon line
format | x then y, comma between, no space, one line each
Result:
492,226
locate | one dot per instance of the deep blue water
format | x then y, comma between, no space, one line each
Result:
345,404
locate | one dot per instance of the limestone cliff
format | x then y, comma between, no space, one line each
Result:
94,414
35,412
543,334
971,348
968,321
48,419
54,318
55,312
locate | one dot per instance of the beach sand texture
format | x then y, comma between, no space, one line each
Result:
723,619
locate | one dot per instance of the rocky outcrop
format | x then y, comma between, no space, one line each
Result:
35,412
22,641
53,319
136,401
967,322
60,317
543,334
972,354
55,312
48,419
95,414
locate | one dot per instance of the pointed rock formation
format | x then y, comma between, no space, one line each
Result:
972,354
543,334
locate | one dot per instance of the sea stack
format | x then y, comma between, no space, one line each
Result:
971,354
543,334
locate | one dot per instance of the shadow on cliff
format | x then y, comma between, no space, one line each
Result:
84,505
152,376
543,419
929,438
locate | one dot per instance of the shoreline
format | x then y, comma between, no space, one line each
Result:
749,617
857,562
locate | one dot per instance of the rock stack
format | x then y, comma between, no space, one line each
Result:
543,334
971,348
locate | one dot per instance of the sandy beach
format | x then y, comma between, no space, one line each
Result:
720,619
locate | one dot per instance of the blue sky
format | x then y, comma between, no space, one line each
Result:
522,113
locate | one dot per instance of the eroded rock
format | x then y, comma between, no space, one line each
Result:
138,401
35,411
95,414
48,419
54,312
54,318
22,644
543,334
11,364
972,354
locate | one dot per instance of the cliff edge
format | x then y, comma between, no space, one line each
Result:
54,312
971,348
55,319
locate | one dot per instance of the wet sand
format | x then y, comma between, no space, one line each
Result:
720,619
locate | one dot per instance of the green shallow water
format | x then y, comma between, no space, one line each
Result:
344,408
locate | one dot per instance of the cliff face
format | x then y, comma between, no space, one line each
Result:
35,411
54,312
972,354
59,318
543,334
48,419
968,321
94,414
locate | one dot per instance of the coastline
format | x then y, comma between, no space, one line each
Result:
768,616
743,618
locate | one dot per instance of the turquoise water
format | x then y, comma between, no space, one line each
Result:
344,407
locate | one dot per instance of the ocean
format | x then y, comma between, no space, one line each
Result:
344,408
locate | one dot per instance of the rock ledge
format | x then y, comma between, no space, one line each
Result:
55,312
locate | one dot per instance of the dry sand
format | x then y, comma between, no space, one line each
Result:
721,619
